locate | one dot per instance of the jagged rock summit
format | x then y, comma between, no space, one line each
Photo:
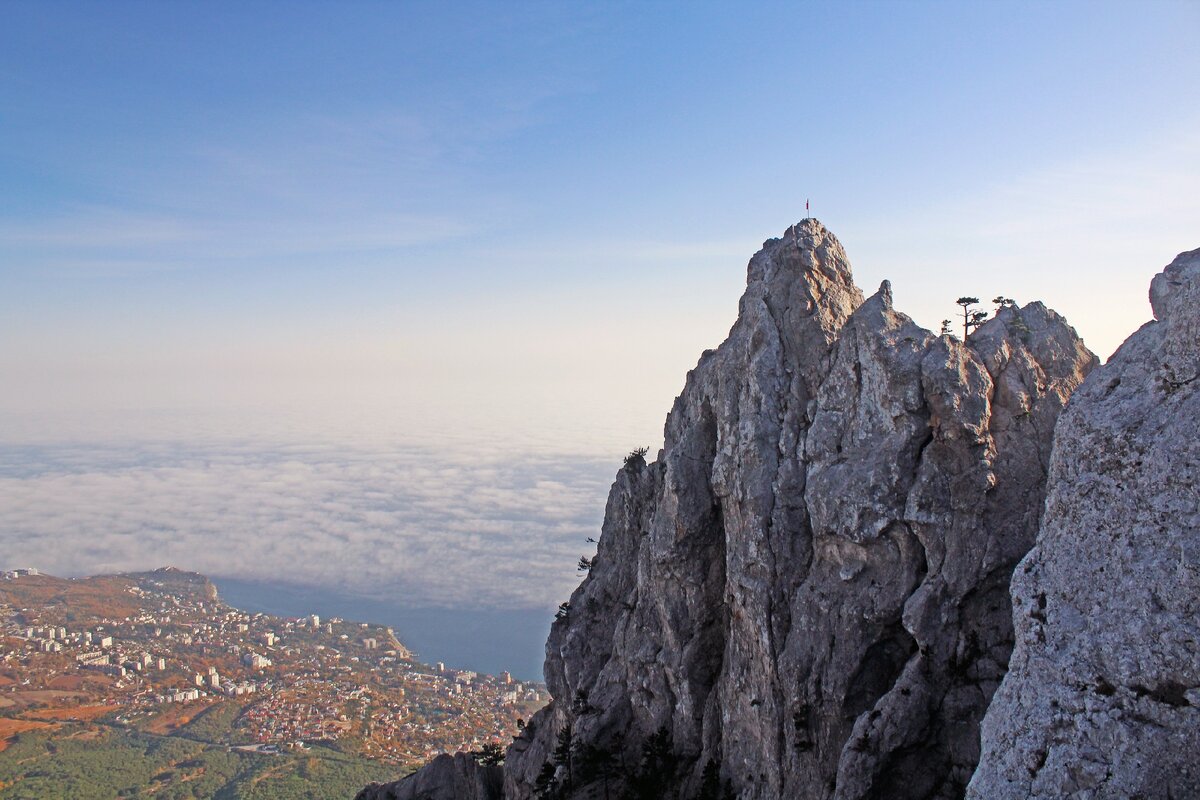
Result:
806,594
1103,695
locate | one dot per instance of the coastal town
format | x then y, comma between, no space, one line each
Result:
159,651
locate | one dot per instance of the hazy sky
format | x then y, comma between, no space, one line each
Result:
257,254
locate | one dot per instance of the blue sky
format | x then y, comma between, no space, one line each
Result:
229,221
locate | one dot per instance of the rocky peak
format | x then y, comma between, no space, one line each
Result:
806,593
1173,291
1175,297
799,292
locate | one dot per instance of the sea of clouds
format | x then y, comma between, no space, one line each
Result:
455,524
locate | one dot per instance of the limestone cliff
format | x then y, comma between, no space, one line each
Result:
806,594
1103,696
447,777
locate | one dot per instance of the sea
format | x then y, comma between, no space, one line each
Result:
489,641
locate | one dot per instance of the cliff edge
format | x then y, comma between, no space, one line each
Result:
1103,695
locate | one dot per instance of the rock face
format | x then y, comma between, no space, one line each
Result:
1103,696
456,777
806,594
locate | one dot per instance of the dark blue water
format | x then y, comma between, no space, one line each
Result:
482,640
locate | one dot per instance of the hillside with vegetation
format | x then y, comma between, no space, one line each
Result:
101,761
148,685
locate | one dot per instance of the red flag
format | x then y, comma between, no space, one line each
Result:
806,205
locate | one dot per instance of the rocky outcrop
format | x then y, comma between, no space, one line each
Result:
456,777
806,594
1103,696
808,587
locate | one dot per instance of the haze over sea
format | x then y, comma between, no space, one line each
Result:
463,542
360,306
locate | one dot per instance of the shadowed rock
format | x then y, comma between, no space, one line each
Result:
456,777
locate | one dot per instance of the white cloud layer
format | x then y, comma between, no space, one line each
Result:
413,524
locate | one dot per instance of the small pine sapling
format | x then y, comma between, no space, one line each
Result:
972,317
636,458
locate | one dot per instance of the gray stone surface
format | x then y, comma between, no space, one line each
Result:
456,777
808,587
1103,696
